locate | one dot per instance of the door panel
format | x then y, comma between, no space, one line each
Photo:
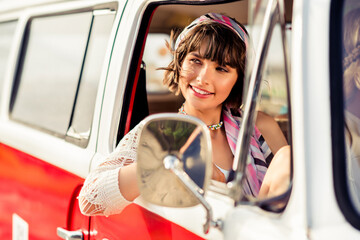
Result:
135,222
37,192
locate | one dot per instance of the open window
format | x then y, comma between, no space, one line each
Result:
145,94
156,25
266,90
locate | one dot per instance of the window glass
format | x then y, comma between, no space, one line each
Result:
93,66
351,88
275,95
7,30
274,99
51,67
156,55
274,87
167,18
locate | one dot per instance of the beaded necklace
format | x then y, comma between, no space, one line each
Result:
211,127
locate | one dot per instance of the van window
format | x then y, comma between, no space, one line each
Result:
274,94
93,65
57,81
274,97
351,91
50,72
156,55
7,30
150,95
158,99
345,98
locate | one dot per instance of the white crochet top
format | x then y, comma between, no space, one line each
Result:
100,194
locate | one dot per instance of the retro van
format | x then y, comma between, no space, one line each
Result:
76,76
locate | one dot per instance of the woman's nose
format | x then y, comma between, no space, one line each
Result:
204,75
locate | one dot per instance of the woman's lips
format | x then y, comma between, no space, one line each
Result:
200,92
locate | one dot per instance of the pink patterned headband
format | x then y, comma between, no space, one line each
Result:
214,17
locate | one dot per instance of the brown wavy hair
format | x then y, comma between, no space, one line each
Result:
224,47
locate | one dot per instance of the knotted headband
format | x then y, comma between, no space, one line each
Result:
214,17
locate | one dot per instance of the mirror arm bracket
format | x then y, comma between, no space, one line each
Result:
173,164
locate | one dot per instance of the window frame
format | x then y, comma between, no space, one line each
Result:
62,10
19,71
342,192
125,123
7,60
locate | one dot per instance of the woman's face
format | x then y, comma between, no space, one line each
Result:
204,83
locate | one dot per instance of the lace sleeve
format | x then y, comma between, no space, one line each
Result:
100,194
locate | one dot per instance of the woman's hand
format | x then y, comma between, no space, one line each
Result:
217,174
277,177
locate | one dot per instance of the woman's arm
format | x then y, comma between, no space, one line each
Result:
271,132
111,186
277,177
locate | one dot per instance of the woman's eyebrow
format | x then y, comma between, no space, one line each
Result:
195,54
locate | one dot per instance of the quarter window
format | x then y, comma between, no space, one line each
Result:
345,96
7,30
351,91
93,66
51,70
57,81
274,73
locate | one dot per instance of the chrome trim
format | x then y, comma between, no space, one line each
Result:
275,12
69,235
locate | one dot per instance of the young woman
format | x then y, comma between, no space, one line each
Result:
208,70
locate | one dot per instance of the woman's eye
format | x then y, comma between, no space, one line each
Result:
222,69
195,60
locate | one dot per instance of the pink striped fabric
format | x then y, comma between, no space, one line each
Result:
258,152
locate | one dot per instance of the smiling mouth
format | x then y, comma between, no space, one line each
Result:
199,91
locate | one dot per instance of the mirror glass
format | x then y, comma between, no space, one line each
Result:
184,138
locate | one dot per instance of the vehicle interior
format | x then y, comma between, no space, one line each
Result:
145,78
177,17
164,19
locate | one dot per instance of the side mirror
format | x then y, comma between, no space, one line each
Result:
174,165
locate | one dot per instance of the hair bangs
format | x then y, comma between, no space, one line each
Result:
222,45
